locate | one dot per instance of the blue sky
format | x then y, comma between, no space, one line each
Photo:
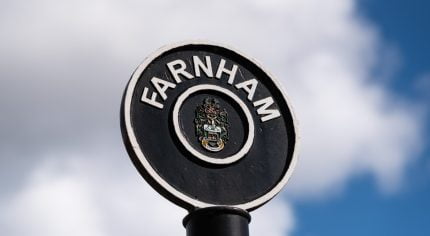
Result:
403,26
357,73
362,209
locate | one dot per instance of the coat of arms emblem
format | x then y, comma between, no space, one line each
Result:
211,125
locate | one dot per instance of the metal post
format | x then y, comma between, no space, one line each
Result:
217,221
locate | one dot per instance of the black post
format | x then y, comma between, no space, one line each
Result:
217,221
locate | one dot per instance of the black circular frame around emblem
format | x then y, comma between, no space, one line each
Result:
161,158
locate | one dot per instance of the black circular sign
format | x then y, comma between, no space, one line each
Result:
207,126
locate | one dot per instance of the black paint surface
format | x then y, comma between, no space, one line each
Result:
243,181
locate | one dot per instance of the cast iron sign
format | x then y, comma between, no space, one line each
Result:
207,126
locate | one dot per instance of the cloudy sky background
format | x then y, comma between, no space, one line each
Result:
358,83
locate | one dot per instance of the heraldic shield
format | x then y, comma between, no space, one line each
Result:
211,125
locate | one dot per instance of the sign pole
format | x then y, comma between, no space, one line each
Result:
217,221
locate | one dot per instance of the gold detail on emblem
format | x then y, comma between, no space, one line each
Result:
211,125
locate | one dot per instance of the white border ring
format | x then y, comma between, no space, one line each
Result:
219,161
185,200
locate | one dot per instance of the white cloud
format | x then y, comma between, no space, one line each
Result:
349,127
276,218
53,202
65,64
70,197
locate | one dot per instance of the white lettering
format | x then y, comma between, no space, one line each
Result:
198,64
178,71
162,89
266,103
152,101
222,69
250,90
